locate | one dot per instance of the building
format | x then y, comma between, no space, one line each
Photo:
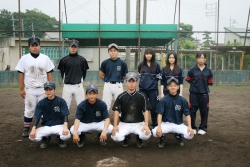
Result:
236,36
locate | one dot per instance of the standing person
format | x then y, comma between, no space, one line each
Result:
171,109
150,73
112,72
34,69
132,108
199,77
73,68
171,70
54,113
91,115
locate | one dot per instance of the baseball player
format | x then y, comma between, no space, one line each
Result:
170,111
132,108
54,113
150,73
199,77
91,115
73,68
34,70
171,70
112,72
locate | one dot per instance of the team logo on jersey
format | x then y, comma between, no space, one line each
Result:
178,107
97,113
119,68
56,109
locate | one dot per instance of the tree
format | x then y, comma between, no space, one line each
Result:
186,27
186,44
207,39
5,22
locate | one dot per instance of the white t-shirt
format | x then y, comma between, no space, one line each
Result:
35,70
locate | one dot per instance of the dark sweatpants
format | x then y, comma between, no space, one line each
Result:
153,100
201,102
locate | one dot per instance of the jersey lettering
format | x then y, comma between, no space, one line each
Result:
57,109
119,68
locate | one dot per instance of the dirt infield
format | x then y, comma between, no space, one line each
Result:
225,144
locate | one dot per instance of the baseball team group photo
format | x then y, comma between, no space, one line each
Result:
99,95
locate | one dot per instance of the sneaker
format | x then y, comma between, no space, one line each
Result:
178,139
161,142
126,141
45,142
26,132
82,139
139,141
195,131
201,132
102,143
61,143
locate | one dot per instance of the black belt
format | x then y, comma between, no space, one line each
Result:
113,82
72,83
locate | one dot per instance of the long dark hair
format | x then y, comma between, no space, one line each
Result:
176,67
152,60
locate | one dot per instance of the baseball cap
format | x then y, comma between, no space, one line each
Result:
91,88
172,79
113,45
132,75
74,42
33,40
50,85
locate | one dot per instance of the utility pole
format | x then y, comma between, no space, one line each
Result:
115,21
22,28
145,12
13,25
138,7
128,51
213,8
232,21
32,28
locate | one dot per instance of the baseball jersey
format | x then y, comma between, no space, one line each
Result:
73,68
53,111
172,108
199,80
131,106
88,113
114,70
35,69
166,76
149,80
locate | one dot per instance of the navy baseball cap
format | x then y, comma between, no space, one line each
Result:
113,45
172,79
91,88
132,75
33,40
50,85
73,42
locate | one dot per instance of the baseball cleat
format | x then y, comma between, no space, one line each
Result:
82,139
61,143
195,131
126,141
139,141
26,132
162,141
45,142
178,139
102,143
201,132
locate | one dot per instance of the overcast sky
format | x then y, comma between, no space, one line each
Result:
195,12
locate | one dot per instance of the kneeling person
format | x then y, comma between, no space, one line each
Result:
133,108
54,113
91,115
170,110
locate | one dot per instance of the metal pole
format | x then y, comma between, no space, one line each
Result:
218,14
175,10
115,21
139,31
128,51
59,44
22,28
99,33
145,12
19,25
179,26
13,25
65,11
32,28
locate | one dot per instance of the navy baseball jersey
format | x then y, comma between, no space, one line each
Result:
199,80
166,76
73,68
149,80
114,70
131,106
88,113
53,111
172,108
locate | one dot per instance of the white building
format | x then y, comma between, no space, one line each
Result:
236,35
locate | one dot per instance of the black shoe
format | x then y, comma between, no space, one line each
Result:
126,141
61,143
161,142
178,139
45,142
102,143
26,132
139,141
82,139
